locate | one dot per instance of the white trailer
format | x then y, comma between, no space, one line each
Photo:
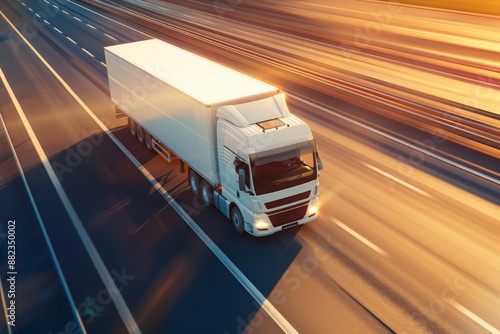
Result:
247,155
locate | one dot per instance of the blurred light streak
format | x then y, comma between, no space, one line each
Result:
446,67
474,317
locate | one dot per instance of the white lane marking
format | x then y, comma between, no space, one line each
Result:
55,6
103,272
395,179
76,18
103,64
65,12
29,8
46,1
22,3
231,267
46,22
109,36
91,26
90,54
72,41
397,140
114,21
59,31
38,148
37,15
359,237
474,317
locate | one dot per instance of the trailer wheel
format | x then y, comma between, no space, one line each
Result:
206,193
140,134
194,183
237,219
132,126
148,141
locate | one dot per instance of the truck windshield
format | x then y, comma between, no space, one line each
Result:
283,168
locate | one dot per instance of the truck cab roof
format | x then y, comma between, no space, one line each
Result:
264,112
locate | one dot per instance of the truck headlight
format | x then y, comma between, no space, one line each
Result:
261,225
313,210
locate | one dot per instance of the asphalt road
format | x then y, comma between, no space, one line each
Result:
405,242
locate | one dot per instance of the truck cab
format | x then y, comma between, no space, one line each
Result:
268,165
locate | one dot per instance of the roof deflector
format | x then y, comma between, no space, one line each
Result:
271,124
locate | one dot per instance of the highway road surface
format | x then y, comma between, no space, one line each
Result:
403,101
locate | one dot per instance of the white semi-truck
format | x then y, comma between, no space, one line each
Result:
246,154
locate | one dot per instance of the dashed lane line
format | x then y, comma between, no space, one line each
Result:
72,41
109,19
109,36
397,180
359,237
87,52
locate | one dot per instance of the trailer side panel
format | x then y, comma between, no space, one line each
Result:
185,125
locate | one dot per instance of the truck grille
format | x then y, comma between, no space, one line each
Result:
288,200
281,217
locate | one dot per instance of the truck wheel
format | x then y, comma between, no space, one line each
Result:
206,193
132,126
148,141
140,134
237,219
194,183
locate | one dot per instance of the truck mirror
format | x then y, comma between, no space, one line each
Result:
237,161
241,179
320,162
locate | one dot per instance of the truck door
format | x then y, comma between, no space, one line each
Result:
229,143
